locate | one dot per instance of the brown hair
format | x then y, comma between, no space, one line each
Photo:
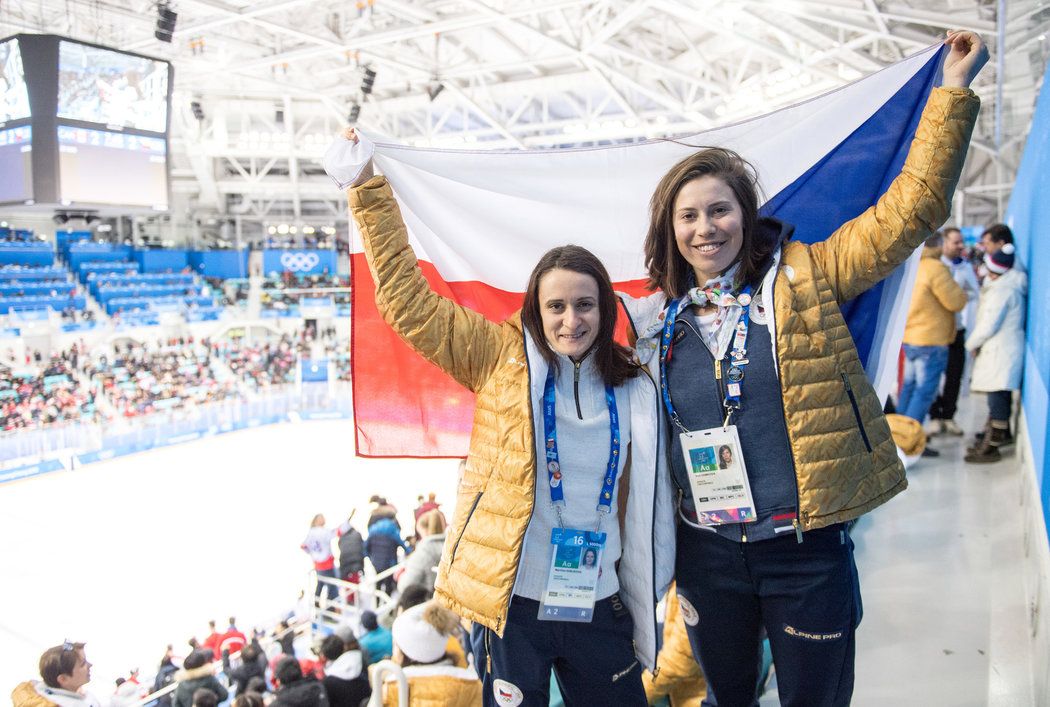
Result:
431,523
668,270
613,361
59,660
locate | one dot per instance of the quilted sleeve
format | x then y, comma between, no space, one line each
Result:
868,248
458,340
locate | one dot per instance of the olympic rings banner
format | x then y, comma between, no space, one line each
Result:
299,262
479,220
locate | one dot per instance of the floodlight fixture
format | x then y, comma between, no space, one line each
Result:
368,80
166,18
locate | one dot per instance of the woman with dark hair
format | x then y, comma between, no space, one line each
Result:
558,406
725,456
754,356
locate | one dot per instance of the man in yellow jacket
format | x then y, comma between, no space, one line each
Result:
930,329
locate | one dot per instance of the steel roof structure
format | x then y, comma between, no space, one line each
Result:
277,79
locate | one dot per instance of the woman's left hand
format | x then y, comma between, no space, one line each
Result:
967,56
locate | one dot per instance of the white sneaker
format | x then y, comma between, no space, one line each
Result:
951,428
934,428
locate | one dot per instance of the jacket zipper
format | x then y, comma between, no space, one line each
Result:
715,364
797,522
856,411
463,532
576,387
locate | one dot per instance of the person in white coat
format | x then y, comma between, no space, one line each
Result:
998,339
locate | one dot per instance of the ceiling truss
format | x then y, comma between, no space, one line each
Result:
518,74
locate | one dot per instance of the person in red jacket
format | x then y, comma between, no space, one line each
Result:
213,641
233,640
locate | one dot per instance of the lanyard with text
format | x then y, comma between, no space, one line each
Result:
738,358
550,434
576,554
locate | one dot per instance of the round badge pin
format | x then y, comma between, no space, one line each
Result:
553,467
744,299
736,374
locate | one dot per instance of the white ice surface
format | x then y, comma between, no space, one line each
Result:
140,551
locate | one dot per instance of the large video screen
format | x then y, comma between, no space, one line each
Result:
103,86
103,167
14,97
16,164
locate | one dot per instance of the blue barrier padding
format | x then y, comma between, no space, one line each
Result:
35,288
160,261
69,327
27,254
225,264
134,303
24,472
80,253
10,274
57,303
145,292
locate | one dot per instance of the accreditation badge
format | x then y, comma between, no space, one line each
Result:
572,583
717,476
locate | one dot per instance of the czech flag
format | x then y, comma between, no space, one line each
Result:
479,220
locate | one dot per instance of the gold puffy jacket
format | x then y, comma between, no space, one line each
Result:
496,494
846,462
935,299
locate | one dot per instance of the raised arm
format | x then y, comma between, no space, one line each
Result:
458,340
868,248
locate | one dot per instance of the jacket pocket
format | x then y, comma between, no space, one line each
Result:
466,521
856,411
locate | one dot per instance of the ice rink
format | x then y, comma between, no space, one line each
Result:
140,551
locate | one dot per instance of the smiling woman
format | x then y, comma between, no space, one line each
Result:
552,388
755,360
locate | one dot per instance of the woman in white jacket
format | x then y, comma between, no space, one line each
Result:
998,339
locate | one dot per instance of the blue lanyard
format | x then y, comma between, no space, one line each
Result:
550,434
738,359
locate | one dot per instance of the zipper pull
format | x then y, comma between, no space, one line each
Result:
798,530
718,370
576,372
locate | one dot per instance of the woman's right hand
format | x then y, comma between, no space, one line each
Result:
368,171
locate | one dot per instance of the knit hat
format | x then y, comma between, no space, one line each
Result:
422,632
1001,260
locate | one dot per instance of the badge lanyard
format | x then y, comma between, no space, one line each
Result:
554,474
738,358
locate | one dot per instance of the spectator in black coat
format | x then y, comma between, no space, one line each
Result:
351,555
197,672
253,664
345,680
295,690
165,676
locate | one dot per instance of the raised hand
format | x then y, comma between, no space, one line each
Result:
967,56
